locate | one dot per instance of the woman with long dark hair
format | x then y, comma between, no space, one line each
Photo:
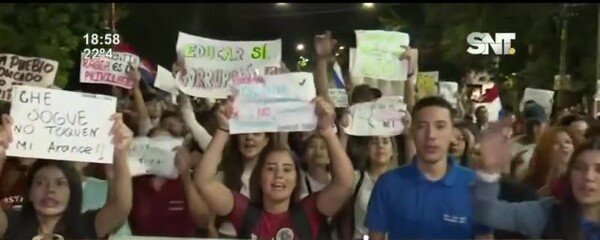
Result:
575,217
53,203
275,209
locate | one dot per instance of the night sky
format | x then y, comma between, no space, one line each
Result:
152,28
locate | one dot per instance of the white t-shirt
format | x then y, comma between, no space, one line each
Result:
315,185
361,204
227,227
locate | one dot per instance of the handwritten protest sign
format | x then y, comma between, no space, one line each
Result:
382,117
16,70
449,91
213,64
339,96
276,103
62,125
378,53
427,84
154,156
108,70
543,97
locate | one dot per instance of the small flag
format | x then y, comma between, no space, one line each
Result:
338,79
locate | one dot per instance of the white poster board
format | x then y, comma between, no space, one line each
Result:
166,82
275,103
17,70
378,55
543,97
154,156
449,91
213,64
49,125
339,96
108,70
382,117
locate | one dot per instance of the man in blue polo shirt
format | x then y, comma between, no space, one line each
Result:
430,198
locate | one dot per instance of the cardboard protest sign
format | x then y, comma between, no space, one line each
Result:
16,70
62,125
338,93
449,91
108,70
154,156
543,97
382,117
213,64
427,84
276,103
378,55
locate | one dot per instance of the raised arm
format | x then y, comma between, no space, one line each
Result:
324,46
198,209
331,199
217,196
115,211
145,123
199,133
5,139
528,218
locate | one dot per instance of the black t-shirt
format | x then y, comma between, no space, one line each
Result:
22,228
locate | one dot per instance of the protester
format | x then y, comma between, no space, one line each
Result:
275,187
575,217
396,214
53,203
316,175
550,156
463,143
13,182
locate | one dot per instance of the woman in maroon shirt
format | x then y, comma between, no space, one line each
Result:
274,207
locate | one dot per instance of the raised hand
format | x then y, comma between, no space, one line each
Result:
406,121
6,136
325,113
134,74
494,147
324,46
178,66
224,113
122,135
184,102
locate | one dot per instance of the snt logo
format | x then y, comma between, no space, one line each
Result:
481,43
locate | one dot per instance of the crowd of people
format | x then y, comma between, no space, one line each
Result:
450,175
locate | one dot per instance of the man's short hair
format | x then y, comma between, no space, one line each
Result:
571,118
362,93
433,101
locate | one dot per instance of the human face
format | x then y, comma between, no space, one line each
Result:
316,152
579,126
562,150
380,150
154,109
433,133
174,125
278,176
585,178
49,191
252,144
458,144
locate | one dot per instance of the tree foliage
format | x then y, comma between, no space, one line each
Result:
52,31
442,30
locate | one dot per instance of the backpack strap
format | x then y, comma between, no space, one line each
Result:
308,187
358,184
251,218
301,223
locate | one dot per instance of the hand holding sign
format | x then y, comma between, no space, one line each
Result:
122,136
224,113
325,113
134,75
5,136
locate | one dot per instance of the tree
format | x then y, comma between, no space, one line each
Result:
52,31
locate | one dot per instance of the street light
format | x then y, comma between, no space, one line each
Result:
368,5
300,47
281,4
341,47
